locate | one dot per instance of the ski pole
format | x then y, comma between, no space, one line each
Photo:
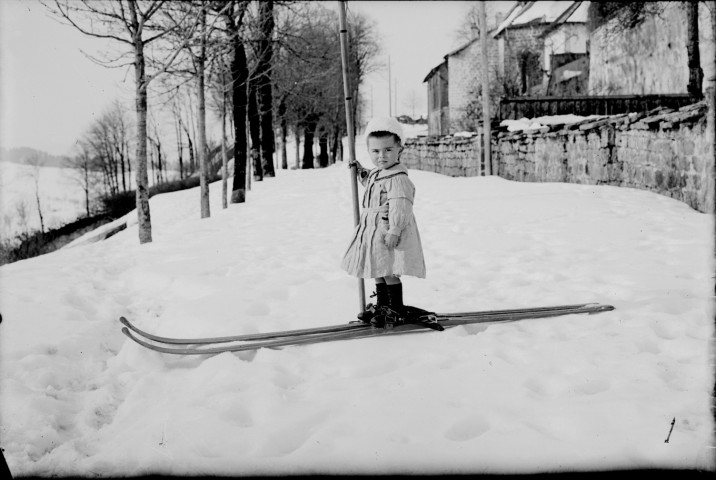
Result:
351,136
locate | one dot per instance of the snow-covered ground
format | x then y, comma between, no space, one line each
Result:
568,393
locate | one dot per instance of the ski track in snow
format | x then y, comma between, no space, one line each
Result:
575,392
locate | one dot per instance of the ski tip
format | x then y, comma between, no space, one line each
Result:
123,321
602,308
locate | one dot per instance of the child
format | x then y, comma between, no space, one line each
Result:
386,243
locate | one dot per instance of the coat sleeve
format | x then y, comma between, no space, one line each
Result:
400,195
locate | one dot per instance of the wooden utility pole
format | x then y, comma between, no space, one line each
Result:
390,92
485,67
395,89
351,134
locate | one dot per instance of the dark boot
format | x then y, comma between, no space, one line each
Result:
395,299
382,300
394,313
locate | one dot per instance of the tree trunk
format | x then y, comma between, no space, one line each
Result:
203,167
239,76
696,74
192,161
323,149
255,132
129,160
37,198
180,150
297,146
124,169
284,149
334,145
265,96
86,179
160,164
309,132
224,153
142,180
284,133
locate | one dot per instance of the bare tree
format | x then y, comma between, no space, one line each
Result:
308,78
85,169
219,88
201,49
132,23
118,131
265,87
107,143
22,214
234,18
255,131
469,29
35,164
176,113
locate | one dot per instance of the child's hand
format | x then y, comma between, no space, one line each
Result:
353,163
391,241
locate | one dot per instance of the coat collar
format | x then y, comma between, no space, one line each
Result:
389,172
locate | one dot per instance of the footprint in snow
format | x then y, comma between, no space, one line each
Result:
592,386
257,309
547,385
287,380
294,436
468,428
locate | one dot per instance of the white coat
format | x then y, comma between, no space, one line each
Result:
387,208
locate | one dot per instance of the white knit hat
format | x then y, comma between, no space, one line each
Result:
384,124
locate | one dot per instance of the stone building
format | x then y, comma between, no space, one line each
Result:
520,52
650,58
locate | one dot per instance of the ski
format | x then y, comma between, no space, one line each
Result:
356,325
368,331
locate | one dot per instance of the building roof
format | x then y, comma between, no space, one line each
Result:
576,13
432,72
522,13
550,12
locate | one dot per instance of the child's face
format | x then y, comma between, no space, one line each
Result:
384,151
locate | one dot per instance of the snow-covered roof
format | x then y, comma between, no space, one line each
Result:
580,14
576,13
542,12
522,13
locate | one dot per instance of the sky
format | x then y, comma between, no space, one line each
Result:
50,91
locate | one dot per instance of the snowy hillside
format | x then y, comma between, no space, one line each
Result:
569,393
61,198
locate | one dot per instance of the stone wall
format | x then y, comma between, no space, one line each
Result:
664,151
454,156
